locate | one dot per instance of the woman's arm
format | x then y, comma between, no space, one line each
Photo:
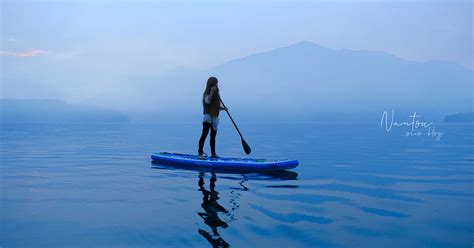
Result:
208,98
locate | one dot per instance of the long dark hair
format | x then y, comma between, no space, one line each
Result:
211,82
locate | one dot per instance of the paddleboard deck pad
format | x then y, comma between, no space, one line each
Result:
223,163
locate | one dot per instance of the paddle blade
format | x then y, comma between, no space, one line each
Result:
246,147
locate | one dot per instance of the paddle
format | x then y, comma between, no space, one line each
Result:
244,144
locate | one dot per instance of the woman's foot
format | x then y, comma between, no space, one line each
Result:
214,156
201,154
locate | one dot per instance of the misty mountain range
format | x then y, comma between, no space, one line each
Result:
309,82
306,82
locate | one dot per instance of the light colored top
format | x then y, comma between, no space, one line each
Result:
213,120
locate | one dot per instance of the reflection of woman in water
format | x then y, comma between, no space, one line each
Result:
211,208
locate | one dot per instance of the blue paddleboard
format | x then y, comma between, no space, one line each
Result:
235,164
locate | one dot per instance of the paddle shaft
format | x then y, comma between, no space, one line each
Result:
225,108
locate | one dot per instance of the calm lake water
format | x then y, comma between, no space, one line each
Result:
92,185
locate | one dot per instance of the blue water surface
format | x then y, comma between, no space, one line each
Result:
92,185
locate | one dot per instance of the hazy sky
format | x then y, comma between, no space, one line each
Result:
77,49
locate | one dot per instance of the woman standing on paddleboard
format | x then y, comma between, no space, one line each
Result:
211,102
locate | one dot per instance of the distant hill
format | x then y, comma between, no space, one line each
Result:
460,117
15,110
305,81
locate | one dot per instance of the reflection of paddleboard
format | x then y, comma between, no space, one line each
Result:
241,164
